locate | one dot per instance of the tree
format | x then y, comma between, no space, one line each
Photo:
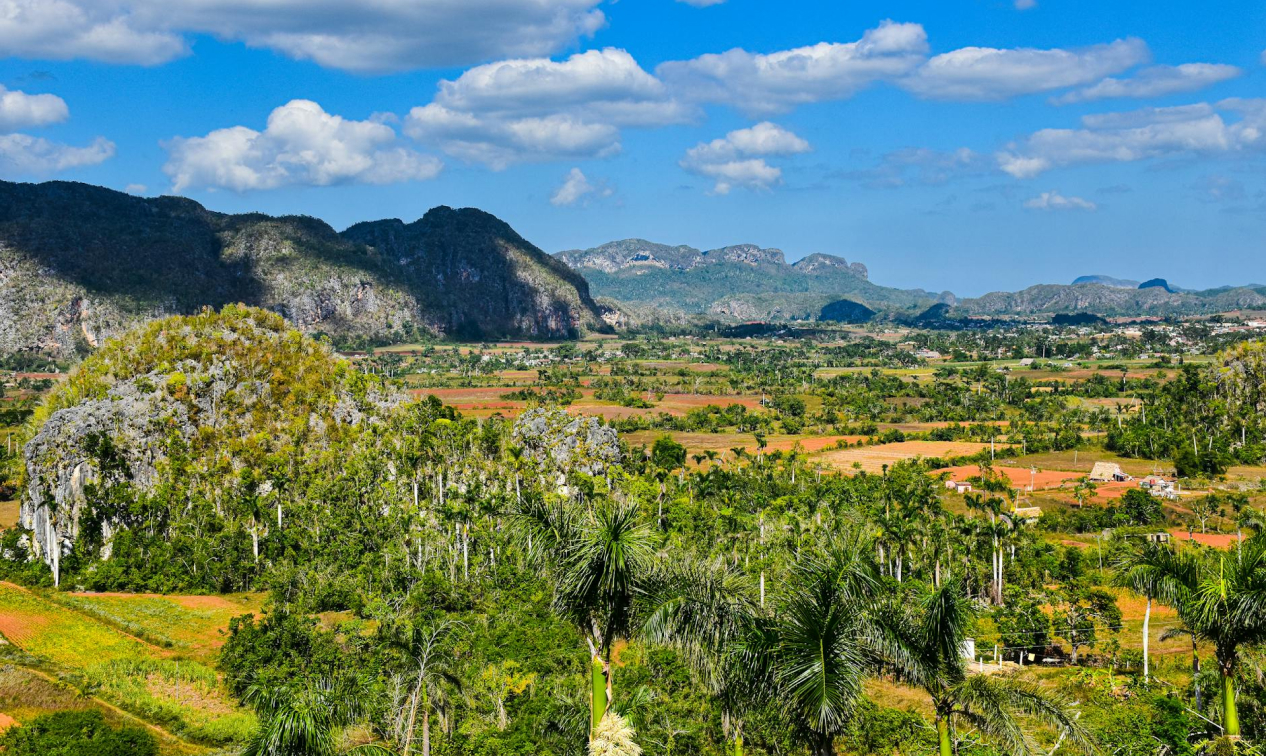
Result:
423,648
934,636
1156,573
703,611
300,719
1140,507
823,639
599,560
1082,611
76,733
667,454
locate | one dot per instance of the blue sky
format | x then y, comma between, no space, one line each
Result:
965,145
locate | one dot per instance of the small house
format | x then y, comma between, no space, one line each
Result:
958,486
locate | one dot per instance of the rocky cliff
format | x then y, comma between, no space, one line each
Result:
79,264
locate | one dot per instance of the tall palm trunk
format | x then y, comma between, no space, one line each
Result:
943,735
1195,669
1230,716
599,695
1147,618
426,731
823,744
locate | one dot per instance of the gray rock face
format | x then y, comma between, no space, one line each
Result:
138,421
560,442
126,433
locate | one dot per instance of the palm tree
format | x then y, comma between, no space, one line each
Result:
816,649
703,611
1221,599
1157,573
993,705
431,676
810,653
300,719
1228,608
599,560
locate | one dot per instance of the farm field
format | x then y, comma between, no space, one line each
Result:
872,459
139,677
1022,478
723,443
189,626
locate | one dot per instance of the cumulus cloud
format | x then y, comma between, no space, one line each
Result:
135,188
738,159
986,73
1141,134
577,187
23,154
355,35
301,145
1057,201
539,109
776,82
19,110
1154,81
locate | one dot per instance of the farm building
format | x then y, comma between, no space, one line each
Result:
1108,472
958,486
1159,487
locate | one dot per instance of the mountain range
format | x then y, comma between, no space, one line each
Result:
79,264
740,282
745,282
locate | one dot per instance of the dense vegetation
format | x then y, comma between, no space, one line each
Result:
440,583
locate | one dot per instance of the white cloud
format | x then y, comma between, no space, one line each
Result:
19,110
538,109
986,73
135,188
356,35
1155,81
738,158
576,187
1057,201
302,144
1025,4
22,154
1141,134
777,82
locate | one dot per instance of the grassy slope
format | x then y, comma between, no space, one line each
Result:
180,694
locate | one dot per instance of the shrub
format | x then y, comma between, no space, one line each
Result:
76,733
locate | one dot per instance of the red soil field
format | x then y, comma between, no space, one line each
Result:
1020,477
1216,540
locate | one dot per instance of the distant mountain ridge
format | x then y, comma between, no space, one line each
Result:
79,264
738,282
1116,283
